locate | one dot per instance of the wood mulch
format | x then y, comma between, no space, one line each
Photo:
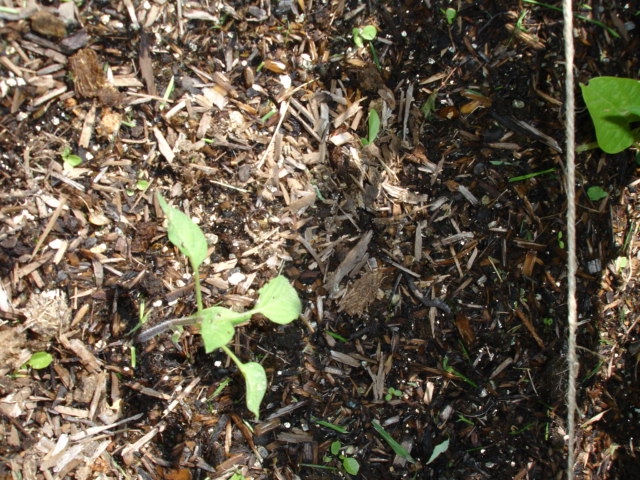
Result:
431,262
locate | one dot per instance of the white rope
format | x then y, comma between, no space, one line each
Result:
571,233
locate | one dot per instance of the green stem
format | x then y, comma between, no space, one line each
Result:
198,291
232,355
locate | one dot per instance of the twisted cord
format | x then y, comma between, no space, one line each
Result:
567,10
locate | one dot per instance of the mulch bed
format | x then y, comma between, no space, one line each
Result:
431,262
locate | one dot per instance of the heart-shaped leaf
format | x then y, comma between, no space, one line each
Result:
185,234
613,103
255,380
278,301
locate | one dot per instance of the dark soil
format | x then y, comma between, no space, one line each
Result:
449,326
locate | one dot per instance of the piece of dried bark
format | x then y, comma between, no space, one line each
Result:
350,261
47,24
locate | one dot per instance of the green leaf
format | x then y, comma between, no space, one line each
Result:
185,234
429,106
255,380
439,450
351,465
278,301
369,32
613,103
450,14
40,360
596,193
357,39
374,125
335,447
217,327
142,184
395,446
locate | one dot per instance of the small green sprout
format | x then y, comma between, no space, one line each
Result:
395,446
70,160
40,360
367,33
560,240
374,128
350,464
391,392
450,14
277,300
438,450
449,369
596,193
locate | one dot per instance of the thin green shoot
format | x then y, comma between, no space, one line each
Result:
321,467
219,388
374,128
462,418
593,371
9,10
449,369
523,429
531,175
132,350
330,425
395,446
611,31
268,115
336,336
167,92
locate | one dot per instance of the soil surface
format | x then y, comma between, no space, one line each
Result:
429,253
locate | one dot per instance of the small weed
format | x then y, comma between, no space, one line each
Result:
450,14
395,446
360,34
349,464
374,128
277,301
40,360
70,160
596,193
392,392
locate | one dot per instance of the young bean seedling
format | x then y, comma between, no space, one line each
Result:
277,300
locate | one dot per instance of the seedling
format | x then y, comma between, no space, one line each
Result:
374,128
70,160
438,450
596,193
350,464
332,426
360,34
395,446
367,33
277,300
614,106
450,14
560,240
40,360
531,175
449,369
391,392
